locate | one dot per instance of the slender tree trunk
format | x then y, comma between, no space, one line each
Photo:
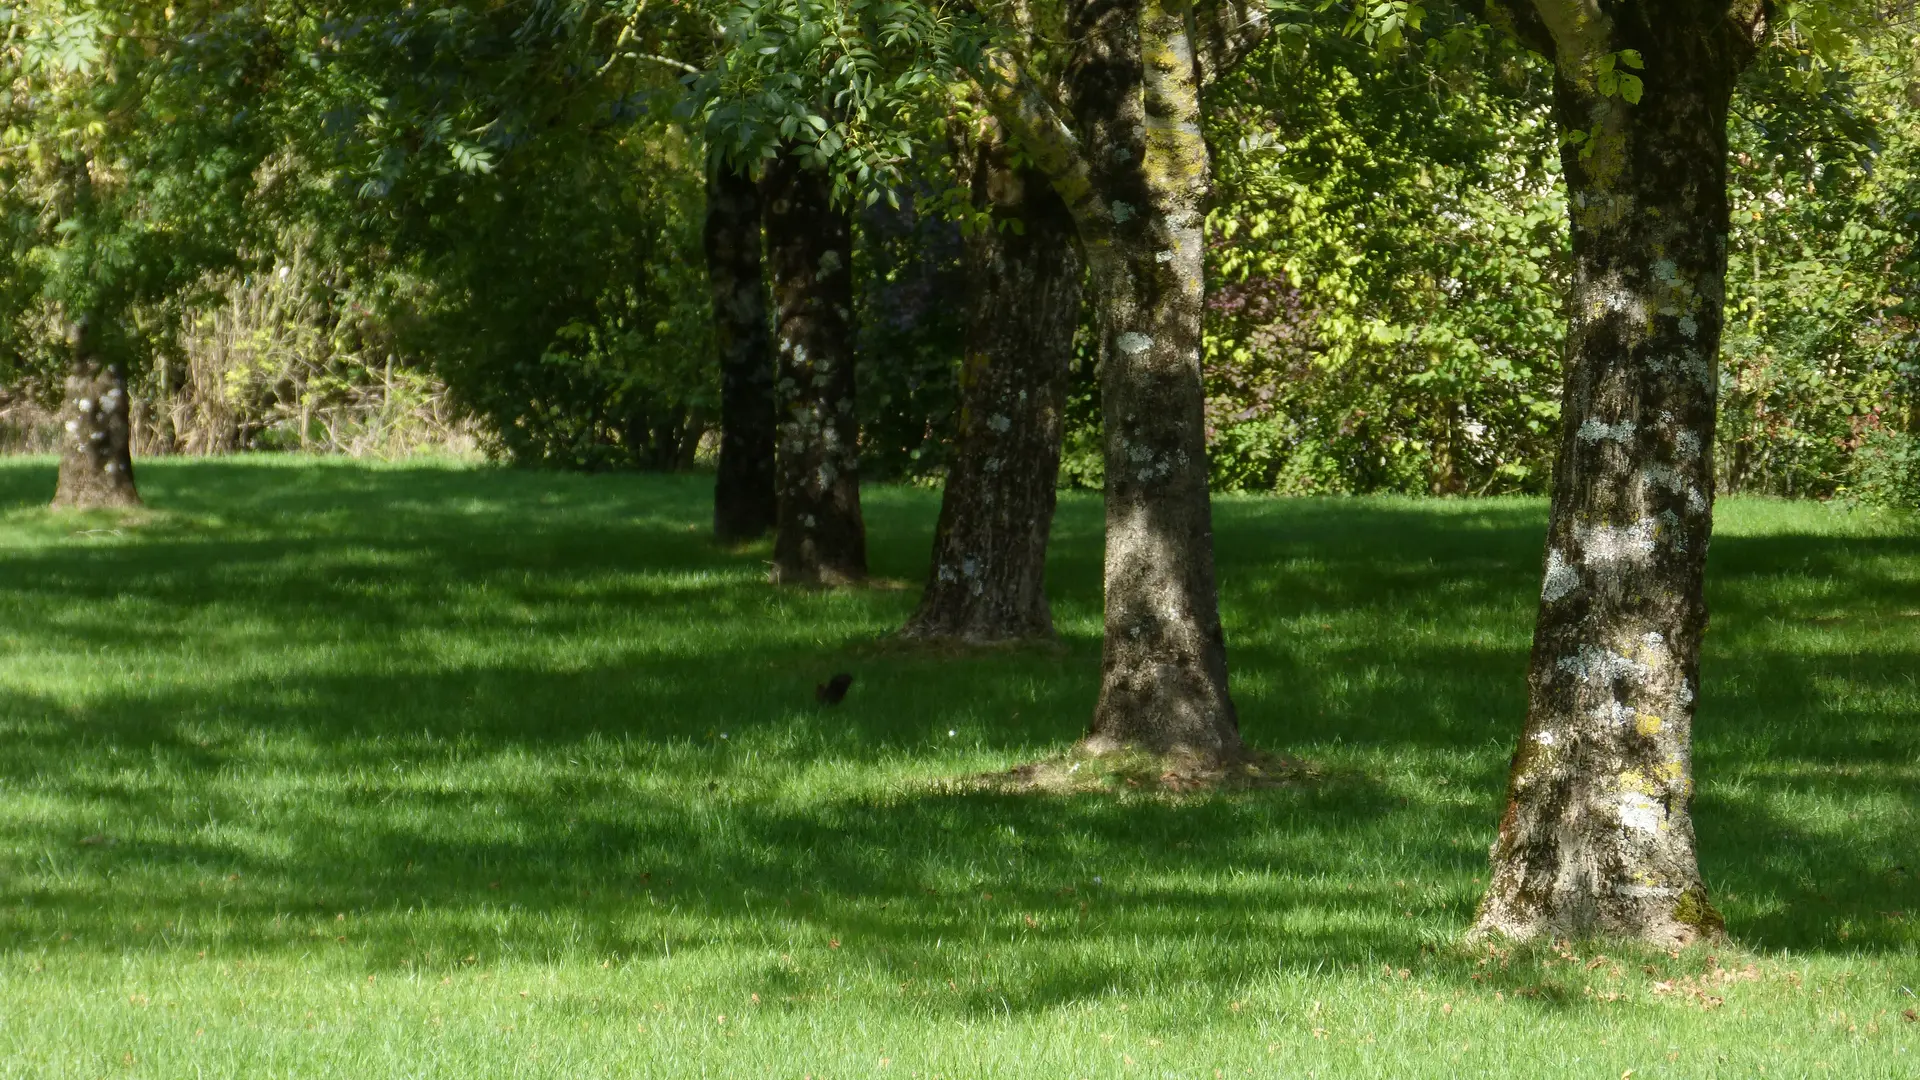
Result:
96,463
1164,670
988,580
1597,839
820,537
744,504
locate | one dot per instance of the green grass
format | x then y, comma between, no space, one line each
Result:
436,771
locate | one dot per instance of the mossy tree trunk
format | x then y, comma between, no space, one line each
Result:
1597,839
988,578
1163,682
1122,147
1125,151
820,538
744,502
96,461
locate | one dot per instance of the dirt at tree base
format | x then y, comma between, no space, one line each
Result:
1129,771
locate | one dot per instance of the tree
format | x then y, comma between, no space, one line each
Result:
1122,145
820,538
129,126
1387,251
988,577
503,190
1597,838
745,503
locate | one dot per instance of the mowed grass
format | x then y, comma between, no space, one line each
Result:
328,770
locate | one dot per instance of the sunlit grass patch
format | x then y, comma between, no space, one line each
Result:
332,770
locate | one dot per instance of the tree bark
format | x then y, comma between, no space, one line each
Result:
1164,666
744,502
1597,838
988,579
1126,154
820,538
96,463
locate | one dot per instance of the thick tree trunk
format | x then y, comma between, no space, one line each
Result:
96,464
1164,670
820,538
744,503
1597,839
988,580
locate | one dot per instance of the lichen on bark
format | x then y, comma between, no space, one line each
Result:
96,461
1597,838
987,582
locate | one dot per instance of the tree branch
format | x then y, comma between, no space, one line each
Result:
1581,31
1225,31
678,65
1030,115
1518,18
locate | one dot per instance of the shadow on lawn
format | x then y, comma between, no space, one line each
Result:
513,723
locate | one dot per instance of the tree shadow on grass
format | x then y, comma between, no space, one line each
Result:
481,713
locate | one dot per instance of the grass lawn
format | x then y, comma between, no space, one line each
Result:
319,769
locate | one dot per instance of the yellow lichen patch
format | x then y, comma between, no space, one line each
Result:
1674,775
1647,724
1635,780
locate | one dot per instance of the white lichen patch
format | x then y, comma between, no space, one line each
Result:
998,423
1596,430
1689,328
1594,664
1611,545
1614,713
1133,344
1658,478
1121,212
1561,578
1640,813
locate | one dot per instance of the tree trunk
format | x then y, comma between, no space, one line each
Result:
820,538
1129,160
96,464
988,579
744,504
1164,670
1597,839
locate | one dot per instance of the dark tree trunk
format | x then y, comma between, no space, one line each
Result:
1164,670
96,464
820,538
1597,839
744,504
988,580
